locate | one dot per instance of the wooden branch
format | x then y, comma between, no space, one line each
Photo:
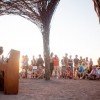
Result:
38,11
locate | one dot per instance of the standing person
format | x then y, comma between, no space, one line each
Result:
98,62
22,61
76,64
33,61
34,67
1,51
25,64
86,63
22,67
51,63
40,61
26,59
63,68
66,60
56,66
70,62
76,61
80,60
90,64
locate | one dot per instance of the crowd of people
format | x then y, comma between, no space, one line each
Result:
33,70
67,67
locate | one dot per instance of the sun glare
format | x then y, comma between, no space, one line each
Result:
20,34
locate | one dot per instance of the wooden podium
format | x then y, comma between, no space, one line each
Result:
10,68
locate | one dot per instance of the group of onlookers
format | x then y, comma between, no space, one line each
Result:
82,68
77,68
33,70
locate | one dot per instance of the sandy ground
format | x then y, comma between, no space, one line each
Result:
56,89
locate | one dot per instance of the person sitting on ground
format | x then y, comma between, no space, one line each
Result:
29,73
63,69
34,71
81,71
40,72
93,74
98,70
69,73
22,73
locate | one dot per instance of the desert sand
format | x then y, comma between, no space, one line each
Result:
56,89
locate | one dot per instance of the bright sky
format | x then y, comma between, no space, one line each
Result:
75,29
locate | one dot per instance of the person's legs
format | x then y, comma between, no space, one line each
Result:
58,68
74,70
51,68
55,70
76,74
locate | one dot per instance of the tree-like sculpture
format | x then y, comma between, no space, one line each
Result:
97,7
39,12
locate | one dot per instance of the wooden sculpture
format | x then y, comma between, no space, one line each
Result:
10,73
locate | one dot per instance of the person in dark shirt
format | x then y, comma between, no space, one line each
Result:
40,61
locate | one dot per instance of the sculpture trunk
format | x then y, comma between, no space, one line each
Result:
46,53
39,12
